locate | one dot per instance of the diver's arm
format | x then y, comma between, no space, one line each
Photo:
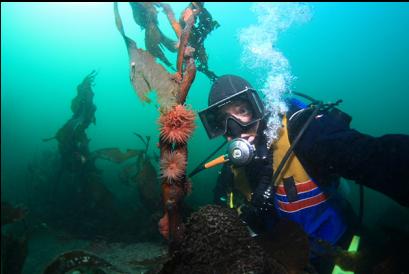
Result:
381,163
224,181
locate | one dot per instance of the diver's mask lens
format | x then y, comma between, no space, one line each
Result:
233,115
234,128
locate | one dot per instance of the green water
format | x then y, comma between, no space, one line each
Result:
357,52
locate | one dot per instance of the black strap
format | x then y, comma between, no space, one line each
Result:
200,166
290,189
294,143
361,205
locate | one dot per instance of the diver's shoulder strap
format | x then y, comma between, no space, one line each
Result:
292,168
287,155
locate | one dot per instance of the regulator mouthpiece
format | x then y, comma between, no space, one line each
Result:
240,152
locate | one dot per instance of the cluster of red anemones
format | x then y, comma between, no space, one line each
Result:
177,125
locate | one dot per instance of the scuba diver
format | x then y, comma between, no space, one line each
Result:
297,175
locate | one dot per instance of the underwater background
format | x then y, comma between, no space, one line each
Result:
357,52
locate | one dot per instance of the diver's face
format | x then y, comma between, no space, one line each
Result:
241,110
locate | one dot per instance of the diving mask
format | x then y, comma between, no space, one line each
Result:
217,121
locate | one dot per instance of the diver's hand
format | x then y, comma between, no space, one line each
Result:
163,226
251,216
263,198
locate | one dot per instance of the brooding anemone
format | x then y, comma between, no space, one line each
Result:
173,165
177,125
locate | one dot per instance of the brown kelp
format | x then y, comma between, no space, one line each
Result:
140,173
71,137
145,15
79,194
14,247
11,214
145,74
176,120
199,32
14,252
81,261
116,155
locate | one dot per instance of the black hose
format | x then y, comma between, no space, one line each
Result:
305,96
200,167
293,144
361,205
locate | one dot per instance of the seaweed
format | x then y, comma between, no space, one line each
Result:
200,31
78,259
145,15
72,139
11,214
116,155
14,247
146,75
171,90
78,193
